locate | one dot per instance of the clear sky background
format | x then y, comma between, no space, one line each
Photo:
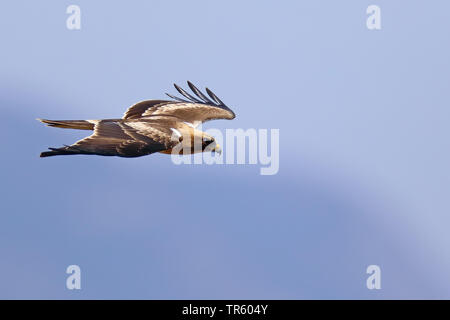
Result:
364,151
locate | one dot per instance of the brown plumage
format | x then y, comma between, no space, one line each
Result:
149,126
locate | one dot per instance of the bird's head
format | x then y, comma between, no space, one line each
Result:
210,144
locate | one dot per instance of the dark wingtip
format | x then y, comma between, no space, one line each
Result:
213,96
66,150
185,94
198,93
52,152
177,87
176,98
202,98
45,154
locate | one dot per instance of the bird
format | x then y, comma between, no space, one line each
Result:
150,126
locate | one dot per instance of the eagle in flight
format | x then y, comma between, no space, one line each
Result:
150,126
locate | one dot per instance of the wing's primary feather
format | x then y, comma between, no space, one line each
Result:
176,98
199,93
187,95
214,97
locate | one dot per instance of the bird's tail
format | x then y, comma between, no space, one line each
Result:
69,124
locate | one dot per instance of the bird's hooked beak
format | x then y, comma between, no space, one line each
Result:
217,149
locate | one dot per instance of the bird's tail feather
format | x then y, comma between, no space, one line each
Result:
69,124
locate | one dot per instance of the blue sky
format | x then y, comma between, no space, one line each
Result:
364,153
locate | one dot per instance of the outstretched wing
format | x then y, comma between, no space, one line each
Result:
123,139
192,109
